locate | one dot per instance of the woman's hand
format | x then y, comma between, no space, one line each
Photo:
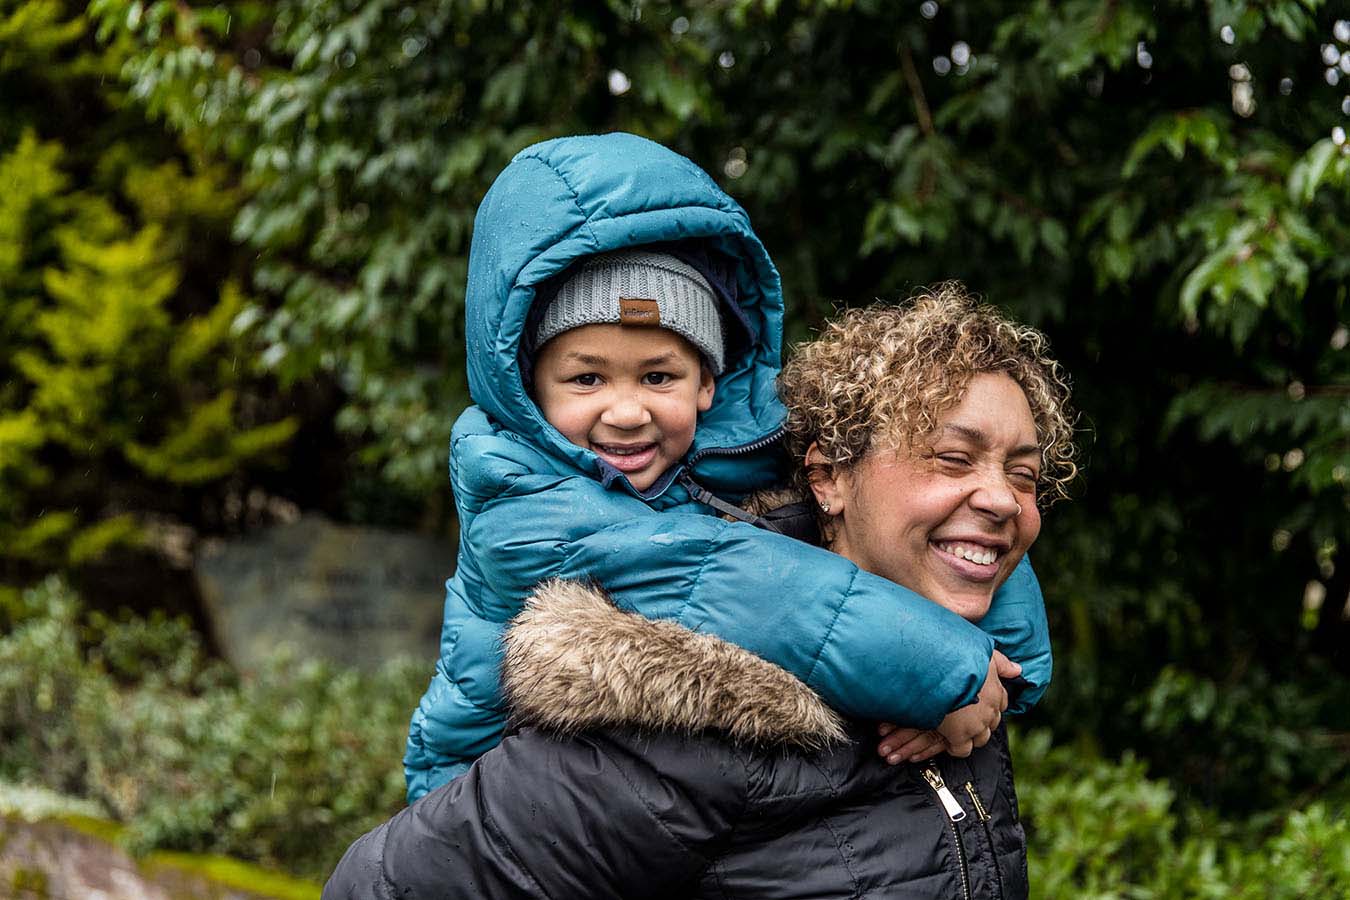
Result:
900,745
962,731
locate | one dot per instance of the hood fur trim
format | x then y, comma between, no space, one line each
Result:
574,661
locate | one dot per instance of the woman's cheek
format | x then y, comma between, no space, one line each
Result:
1029,523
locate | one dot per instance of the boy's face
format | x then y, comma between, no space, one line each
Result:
631,394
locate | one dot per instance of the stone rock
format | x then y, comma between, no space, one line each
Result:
51,859
354,595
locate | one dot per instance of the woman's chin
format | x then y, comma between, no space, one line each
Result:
961,586
970,601
971,607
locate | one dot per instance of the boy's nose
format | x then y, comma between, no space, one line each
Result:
627,413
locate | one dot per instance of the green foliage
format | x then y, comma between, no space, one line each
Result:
99,286
1074,802
34,33
347,105
286,768
1105,830
40,679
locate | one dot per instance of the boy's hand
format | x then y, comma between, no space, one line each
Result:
970,726
962,731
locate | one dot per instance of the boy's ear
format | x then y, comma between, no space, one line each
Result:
825,480
707,387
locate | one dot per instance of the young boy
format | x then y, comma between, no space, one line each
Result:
623,325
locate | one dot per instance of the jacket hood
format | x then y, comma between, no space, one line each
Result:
573,661
565,199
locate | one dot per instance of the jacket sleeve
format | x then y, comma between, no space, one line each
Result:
871,648
1018,625
543,817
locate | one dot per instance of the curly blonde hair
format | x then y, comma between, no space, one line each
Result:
881,377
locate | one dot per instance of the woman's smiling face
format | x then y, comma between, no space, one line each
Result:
951,523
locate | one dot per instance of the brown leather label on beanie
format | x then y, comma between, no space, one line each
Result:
638,311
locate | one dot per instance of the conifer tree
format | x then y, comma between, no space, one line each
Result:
112,366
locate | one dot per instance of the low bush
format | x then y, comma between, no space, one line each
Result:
285,768
1105,830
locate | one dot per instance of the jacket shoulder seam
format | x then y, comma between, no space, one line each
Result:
385,887
714,864
515,857
656,817
840,846
826,792
829,632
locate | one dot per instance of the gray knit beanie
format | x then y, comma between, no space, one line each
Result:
633,287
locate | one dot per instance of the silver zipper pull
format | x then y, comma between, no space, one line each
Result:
934,779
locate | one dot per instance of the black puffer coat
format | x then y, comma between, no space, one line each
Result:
662,763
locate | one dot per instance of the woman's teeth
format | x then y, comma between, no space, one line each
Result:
980,555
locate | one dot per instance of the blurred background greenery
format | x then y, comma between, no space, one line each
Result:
233,244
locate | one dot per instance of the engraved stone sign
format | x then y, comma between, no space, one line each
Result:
354,595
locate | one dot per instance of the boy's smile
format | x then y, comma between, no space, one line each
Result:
630,394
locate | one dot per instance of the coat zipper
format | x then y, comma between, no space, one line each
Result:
954,814
768,440
989,833
702,495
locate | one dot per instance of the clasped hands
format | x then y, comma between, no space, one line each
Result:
962,731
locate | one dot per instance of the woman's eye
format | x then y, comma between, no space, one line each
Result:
958,459
1024,477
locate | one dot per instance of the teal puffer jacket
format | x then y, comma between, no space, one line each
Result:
533,506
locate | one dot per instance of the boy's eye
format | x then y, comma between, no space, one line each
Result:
586,379
656,379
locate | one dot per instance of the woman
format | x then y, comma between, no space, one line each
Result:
654,761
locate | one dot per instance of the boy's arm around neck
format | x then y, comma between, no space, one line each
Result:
871,648
1017,623
1016,619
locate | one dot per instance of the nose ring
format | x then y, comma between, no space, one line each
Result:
1019,509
